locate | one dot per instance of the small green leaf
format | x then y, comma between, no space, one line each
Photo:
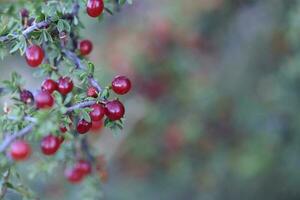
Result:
85,115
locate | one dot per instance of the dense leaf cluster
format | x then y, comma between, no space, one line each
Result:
54,26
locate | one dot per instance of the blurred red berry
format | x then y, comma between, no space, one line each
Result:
121,85
83,126
26,96
65,85
114,110
49,85
85,47
73,175
20,150
63,129
50,144
92,92
97,126
34,55
95,8
97,113
43,100
84,167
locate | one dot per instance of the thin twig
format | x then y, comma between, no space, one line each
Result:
26,118
9,139
94,83
86,149
13,136
76,60
82,104
27,31
4,184
70,55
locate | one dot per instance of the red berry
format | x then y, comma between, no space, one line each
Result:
50,144
65,85
49,85
97,126
97,113
26,96
94,8
92,92
83,126
44,100
121,85
63,129
34,55
84,167
73,175
114,110
20,150
85,47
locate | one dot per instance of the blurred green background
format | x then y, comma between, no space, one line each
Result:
214,111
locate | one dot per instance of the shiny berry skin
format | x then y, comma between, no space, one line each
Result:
65,85
97,126
49,85
85,47
92,92
114,110
84,167
26,96
97,112
94,8
73,175
121,85
83,126
43,100
50,144
34,55
20,150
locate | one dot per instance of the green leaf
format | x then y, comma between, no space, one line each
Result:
85,115
60,25
15,48
105,93
91,68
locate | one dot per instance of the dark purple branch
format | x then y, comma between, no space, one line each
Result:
27,31
76,60
94,83
82,104
38,25
26,118
71,56
10,138
86,149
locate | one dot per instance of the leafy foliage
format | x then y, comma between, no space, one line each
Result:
55,27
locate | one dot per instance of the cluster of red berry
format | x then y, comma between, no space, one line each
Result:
43,99
114,110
